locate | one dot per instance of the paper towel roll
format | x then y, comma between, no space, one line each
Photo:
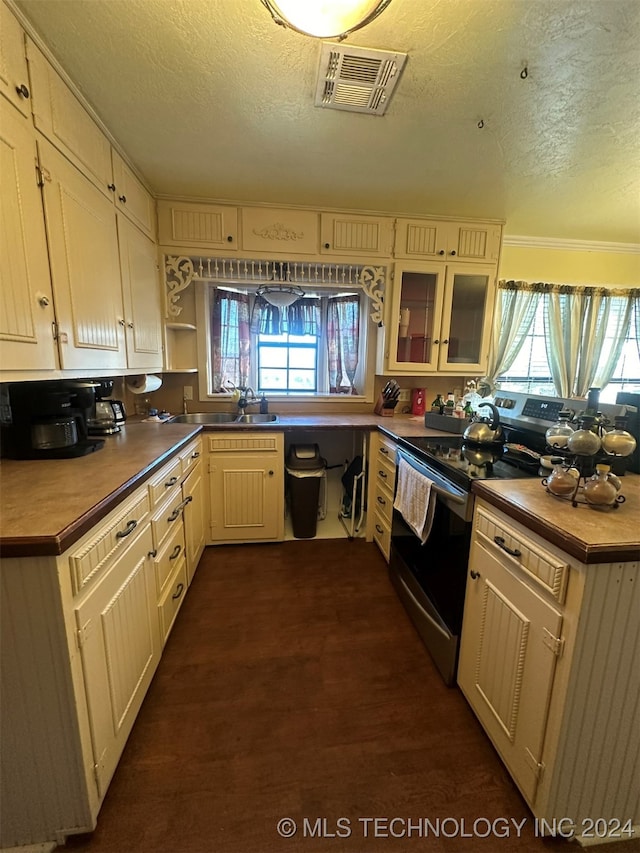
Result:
144,384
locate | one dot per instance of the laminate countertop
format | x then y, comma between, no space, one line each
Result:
590,535
48,504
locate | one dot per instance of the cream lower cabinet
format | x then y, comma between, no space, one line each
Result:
81,636
548,662
26,301
383,479
195,516
246,486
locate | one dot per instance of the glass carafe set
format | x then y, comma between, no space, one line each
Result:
581,464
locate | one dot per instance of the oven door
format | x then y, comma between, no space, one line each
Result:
430,579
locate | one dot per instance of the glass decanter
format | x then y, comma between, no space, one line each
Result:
618,442
599,490
584,442
560,482
558,435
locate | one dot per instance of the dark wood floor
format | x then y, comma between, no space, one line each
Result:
294,686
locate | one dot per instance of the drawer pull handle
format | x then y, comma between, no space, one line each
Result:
195,455
474,575
178,592
131,526
381,500
153,553
171,482
176,552
176,513
379,529
499,540
382,474
384,450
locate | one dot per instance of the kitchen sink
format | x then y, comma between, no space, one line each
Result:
256,419
205,418
223,418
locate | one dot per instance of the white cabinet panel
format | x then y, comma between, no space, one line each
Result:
132,198
268,231
14,76
85,267
432,239
26,302
141,296
60,116
207,226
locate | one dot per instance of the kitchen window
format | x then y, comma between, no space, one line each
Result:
530,372
315,348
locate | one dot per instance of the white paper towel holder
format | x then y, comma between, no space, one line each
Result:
144,383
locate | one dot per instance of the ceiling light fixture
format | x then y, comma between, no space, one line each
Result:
325,18
280,296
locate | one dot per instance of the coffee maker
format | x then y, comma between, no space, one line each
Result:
48,421
108,414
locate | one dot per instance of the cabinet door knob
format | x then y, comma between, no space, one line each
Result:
130,324
230,238
123,198
43,300
452,252
121,322
445,341
22,91
474,575
111,187
441,252
437,341
271,473
327,245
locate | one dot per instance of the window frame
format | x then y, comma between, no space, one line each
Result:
365,375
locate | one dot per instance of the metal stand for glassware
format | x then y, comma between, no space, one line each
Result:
357,490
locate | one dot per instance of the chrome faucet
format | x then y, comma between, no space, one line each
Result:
244,401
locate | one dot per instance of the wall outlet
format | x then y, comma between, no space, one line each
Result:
187,392
405,395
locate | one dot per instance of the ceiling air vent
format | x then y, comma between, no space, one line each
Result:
357,79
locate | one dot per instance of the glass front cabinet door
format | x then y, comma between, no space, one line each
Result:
440,318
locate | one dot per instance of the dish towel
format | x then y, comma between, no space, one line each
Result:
415,500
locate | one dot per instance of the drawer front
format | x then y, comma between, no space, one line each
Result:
97,552
541,566
387,449
167,519
191,456
172,599
168,477
171,553
384,502
382,534
385,473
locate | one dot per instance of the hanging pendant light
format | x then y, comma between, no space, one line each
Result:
280,296
325,18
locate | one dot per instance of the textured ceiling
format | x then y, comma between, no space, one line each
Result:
210,99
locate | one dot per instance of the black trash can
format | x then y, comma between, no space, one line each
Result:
305,470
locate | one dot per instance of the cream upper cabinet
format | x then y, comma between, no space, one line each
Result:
60,116
268,231
26,315
203,226
85,267
141,296
132,198
14,76
349,234
476,242
439,318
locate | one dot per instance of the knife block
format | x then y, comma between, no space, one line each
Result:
384,408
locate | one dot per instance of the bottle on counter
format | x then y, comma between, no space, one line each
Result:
618,442
583,441
450,404
599,490
560,482
437,407
468,410
417,401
